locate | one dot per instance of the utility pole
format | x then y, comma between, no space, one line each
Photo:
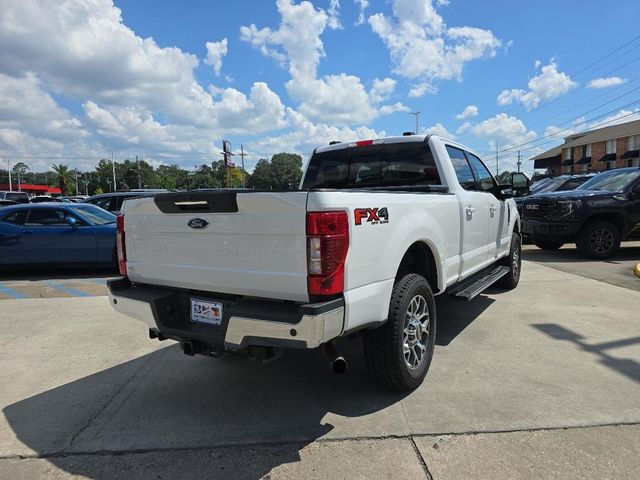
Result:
86,185
9,170
113,169
139,179
497,164
417,115
244,183
519,162
77,191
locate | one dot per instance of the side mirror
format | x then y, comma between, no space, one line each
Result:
72,222
520,184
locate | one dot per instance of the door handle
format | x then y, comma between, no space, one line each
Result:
470,211
492,209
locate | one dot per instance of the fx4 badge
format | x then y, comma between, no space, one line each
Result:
374,216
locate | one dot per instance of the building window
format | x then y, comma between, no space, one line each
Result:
569,153
633,162
611,146
633,143
586,150
609,165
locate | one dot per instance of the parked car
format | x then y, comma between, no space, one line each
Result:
45,199
74,198
557,184
18,197
112,202
597,215
56,234
377,229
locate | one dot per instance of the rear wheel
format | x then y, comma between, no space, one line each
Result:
598,239
399,353
547,244
514,262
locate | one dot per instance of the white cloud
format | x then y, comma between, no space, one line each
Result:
468,112
439,130
340,99
548,84
363,5
423,48
507,130
606,82
334,14
306,135
463,128
216,51
381,89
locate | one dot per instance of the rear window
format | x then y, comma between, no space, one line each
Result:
17,217
394,164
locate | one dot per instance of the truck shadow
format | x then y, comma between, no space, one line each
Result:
456,315
571,255
625,366
145,418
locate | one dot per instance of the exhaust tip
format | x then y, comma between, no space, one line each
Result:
339,366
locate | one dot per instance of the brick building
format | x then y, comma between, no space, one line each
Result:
597,150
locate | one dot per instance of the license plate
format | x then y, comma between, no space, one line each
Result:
203,311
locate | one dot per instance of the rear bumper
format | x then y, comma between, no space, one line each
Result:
245,322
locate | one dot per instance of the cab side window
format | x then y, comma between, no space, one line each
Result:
17,218
462,168
485,179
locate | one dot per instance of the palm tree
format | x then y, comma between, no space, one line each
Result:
63,176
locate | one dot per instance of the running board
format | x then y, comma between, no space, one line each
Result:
478,283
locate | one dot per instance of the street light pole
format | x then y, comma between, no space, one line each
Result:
9,170
244,183
417,115
113,168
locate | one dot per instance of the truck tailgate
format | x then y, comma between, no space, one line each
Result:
245,243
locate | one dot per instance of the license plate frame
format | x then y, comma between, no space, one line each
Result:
208,312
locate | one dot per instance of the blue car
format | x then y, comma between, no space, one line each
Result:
57,234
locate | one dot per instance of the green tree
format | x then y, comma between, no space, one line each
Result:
63,177
286,170
261,178
20,169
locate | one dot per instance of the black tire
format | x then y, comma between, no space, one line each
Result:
384,347
599,239
547,244
514,262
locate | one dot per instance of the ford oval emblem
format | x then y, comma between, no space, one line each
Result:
198,223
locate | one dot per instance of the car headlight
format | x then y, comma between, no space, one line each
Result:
567,207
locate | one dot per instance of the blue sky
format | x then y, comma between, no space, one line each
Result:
169,80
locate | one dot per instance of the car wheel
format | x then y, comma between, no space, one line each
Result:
598,239
399,353
547,244
514,262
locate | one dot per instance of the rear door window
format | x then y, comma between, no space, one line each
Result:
17,218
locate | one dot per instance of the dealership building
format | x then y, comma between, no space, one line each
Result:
596,150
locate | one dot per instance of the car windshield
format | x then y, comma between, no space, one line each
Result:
611,181
96,215
549,186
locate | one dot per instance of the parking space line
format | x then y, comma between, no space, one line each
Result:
11,292
69,290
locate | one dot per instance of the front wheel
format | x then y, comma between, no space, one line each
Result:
598,239
399,353
514,262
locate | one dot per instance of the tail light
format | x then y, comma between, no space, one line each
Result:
327,245
120,245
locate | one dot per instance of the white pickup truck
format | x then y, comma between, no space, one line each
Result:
377,228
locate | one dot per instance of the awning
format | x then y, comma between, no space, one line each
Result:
609,157
567,162
584,160
547,162
631,154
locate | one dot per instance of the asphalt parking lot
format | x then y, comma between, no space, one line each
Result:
539,382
